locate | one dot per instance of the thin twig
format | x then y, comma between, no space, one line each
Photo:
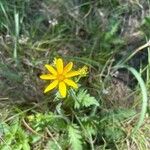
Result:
4,98
137,50
5,143
49,133
30,129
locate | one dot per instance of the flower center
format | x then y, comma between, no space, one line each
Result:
60,77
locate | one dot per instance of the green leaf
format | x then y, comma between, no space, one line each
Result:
113,133
52,145
26,146
75,137
5,147
83,99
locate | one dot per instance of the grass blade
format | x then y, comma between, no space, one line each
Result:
144,95
16,17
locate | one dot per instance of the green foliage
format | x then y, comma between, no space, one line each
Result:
7,73
145,26
113,133
90,124
52,145
41,121
119,114
110,124
75,137
15,137
83,99
8,12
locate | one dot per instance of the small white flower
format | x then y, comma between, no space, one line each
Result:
53,22
105,91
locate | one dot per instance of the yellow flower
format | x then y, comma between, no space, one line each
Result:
83,71
60,76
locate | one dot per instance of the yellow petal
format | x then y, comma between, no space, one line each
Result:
71,83
59,65
72,74
62,89
68,67
51,69
47,77
51,86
